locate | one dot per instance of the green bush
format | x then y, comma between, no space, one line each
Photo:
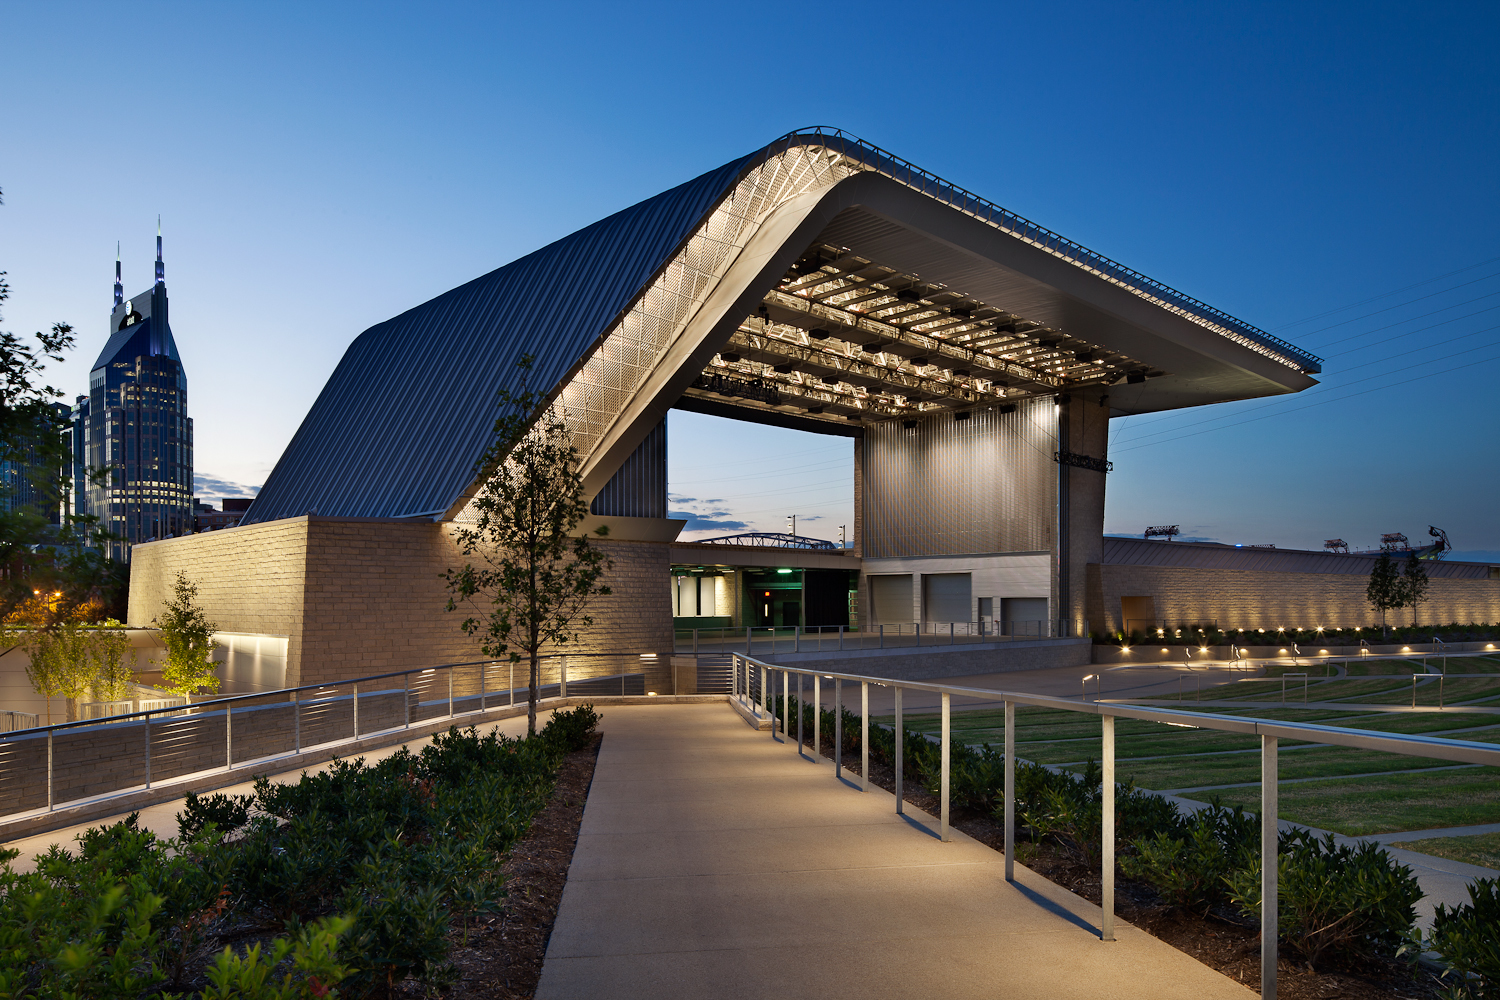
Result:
1467,938
1189,868
1336,901
365,868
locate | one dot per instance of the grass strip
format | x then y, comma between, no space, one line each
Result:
1385,804
1321,762
1481,849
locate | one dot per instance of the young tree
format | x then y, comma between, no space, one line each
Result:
529,577
1413,584
188,636
112,671
1384,590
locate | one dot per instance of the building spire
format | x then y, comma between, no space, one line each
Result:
119,288
160,268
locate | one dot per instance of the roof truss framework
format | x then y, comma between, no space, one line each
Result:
843,337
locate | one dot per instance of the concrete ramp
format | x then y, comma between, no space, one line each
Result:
715,862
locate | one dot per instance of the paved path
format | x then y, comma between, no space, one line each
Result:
714,862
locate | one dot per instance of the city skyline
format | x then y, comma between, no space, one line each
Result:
307,204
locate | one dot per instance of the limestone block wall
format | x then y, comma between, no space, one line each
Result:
361,596
1256,599
249,579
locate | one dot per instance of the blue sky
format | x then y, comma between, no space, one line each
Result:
1325,171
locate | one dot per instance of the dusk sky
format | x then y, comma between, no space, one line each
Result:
1325,172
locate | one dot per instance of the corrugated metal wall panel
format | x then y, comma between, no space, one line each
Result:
639,489
955,487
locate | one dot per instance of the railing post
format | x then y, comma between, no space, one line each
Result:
1269,844
945,767
228,735
1010,791
882,635
786,729
1107,833
748,649
296,726
356,711
799,715
817,733
950,634
406,698
49,766
483,671
841,642
864,736
900,750
450,691
796,638
766,698
838,727
512,683
562,686
695,642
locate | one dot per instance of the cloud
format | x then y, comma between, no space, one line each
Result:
205,485
712,521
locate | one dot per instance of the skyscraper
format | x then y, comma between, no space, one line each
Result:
135,421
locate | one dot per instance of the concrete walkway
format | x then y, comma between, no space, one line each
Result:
715,862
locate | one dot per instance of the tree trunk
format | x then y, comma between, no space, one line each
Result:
531,696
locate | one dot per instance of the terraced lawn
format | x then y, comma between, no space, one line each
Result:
1481,849
1357,797
1357,806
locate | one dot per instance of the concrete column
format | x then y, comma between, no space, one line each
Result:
1083,429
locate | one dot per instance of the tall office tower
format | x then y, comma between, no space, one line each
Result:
27,482
137,423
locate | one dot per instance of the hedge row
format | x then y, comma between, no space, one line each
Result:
1337,904
359,871
1309,638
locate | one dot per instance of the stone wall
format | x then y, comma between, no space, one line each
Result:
1259,599
361,596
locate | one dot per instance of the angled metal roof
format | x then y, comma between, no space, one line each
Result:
1200,555
410,409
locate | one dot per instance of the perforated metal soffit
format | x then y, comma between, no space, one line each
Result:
400,425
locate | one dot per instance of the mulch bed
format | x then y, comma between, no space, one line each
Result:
1220,941
503,959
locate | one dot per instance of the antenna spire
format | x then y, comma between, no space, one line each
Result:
160,268
119,288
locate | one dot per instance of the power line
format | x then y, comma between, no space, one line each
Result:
1329,386
1382,295
1336,399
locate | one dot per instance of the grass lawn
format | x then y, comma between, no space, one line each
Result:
1481,849
1386,804
1319,762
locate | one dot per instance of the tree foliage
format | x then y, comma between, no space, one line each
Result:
1384,591
188,635
35,554
529,576
1413,585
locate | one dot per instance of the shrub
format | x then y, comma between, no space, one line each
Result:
1190,869
1466,937
571,730
1337,901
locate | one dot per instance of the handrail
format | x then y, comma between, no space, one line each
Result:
230,699
908,173
1270,734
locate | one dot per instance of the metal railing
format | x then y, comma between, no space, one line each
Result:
767,639
904,172
13,721
45,767
754,686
